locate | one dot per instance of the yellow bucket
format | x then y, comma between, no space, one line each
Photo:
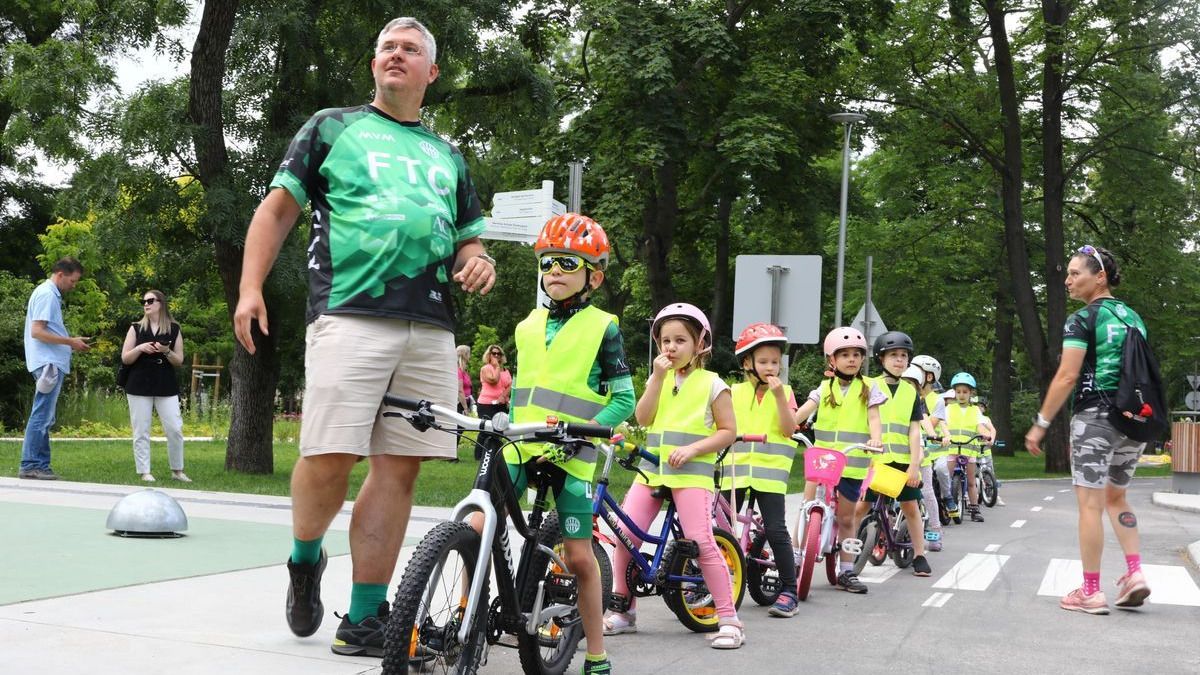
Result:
887,480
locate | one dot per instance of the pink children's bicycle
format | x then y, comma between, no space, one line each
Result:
816,525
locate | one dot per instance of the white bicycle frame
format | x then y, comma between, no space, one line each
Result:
852,546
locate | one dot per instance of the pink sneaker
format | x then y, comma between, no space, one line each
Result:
1132,590
1076,601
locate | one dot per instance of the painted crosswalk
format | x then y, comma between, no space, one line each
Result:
1169,584
974,572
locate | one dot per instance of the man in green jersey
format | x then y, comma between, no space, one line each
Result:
395,220
1102,458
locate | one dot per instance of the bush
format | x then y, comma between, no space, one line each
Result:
16,385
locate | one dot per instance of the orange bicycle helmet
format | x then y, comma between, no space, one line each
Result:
576,234
759,334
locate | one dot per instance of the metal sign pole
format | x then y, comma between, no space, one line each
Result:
776,272
867,320
575,187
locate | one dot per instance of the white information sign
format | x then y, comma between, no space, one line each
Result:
781,289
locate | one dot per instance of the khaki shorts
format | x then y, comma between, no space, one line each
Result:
350,362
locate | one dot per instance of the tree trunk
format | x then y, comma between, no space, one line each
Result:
1000,409
720,302
659,218
1054,14
252,392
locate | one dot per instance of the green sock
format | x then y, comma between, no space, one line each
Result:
596,657
365,599
306,552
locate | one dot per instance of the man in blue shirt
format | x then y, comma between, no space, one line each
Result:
48,344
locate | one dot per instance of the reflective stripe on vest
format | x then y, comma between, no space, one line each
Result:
896,418
933,451
552,380
679,420
844,424
964,423
765,467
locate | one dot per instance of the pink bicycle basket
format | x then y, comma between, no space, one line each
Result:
823,465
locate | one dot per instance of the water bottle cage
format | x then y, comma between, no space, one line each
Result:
852,546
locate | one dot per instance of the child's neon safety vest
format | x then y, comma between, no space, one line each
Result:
765,467
933,451
844,424
896,417
552,380
964,423
679,420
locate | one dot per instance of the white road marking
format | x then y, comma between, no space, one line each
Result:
1049,499
877,575
991,548
974,572
937,600
1036,509
1066,490
1018,523
1169,584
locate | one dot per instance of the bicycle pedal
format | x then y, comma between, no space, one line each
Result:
618,603
933,536
852,546
561,588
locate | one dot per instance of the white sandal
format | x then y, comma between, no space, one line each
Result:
728,636
616,623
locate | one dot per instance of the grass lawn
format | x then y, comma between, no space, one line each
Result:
441,483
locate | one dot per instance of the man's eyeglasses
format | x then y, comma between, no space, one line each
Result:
1091,250
408,48
566,263
149,301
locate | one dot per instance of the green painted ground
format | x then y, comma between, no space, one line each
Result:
51,551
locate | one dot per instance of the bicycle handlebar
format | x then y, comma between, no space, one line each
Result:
428,414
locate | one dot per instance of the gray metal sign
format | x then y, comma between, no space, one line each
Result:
781,289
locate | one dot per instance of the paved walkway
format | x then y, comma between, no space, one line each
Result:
75,598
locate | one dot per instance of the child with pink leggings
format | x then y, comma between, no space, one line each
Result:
689,415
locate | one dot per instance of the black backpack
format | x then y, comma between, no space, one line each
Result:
1139,409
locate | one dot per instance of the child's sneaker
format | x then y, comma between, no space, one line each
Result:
616,623
848,581
1076,601
786,605
1132,590
921,567
601,667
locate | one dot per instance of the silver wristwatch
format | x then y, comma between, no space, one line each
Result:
1041,421
487,258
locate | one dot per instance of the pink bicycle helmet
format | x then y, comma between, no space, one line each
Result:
682,310
843,338
759,334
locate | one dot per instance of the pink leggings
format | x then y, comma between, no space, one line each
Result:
695,508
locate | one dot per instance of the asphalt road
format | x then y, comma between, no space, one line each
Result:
991,606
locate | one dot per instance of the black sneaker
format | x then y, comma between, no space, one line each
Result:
364,638
921,567
976,516
304,609
847,581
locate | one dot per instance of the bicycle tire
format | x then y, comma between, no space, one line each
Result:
957,491
550,651
694,606
868,534
812,548
433,551
902,555
988,492
762,582
832,561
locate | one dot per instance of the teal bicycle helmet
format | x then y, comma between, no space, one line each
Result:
963,378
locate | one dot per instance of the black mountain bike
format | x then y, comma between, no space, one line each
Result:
441,620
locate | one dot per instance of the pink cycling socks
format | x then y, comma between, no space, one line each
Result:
1091,582
1133,563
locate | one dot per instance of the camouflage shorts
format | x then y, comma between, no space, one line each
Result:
1100,452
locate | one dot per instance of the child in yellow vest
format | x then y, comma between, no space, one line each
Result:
847,407
571,364
901,418
937,436
764,405
965,420
689,417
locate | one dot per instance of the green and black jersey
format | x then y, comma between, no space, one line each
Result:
1098,328
390,203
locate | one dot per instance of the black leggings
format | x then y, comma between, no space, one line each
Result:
771,507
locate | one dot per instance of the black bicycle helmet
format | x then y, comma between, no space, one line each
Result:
893,339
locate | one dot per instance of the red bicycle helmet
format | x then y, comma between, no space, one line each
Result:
759,334
576,234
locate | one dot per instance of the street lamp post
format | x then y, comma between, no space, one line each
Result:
847,119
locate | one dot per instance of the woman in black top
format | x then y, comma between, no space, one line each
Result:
153,349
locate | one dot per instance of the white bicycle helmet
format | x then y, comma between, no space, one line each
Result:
929,365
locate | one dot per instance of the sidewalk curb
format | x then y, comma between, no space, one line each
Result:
1178,502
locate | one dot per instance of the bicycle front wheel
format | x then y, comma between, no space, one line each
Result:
812,549
869,535
988,492
428,610
692,602
902,555
762,578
